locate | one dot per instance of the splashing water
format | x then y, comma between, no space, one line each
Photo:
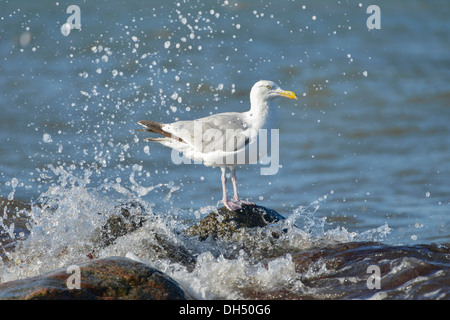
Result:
185,61
65,220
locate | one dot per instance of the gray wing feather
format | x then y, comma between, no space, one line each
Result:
224,131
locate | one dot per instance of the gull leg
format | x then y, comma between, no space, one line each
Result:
236,196
224,186
228,204
233,179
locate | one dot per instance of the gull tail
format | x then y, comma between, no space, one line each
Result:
156,127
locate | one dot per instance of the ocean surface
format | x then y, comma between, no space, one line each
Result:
364,152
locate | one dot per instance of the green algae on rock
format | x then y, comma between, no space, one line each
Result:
224,222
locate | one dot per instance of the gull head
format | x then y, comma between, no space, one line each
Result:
267,90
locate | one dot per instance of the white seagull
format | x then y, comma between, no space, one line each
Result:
225,139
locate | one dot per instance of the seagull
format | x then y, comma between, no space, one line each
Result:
224,140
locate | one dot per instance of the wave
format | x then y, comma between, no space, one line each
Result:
72,222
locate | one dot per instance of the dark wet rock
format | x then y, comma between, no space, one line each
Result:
156,247
224,222
341,272
175,252
14,224
14,205
127,219
109,278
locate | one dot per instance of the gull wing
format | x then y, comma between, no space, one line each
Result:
226,132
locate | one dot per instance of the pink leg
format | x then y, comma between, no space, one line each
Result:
228,204
233,179
236,196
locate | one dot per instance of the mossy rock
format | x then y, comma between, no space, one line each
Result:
224,223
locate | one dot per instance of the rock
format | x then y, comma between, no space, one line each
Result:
103,279
14,205
224,222
341,271
165,248
14,224
130,217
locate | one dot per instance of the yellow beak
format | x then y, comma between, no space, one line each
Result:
288,94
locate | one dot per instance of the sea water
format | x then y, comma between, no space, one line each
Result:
364,152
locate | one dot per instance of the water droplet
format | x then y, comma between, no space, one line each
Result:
65,29
14,182
47,138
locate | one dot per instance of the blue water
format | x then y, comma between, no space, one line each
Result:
367,144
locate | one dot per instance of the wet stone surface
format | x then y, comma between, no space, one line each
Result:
311,271
224,222
102,279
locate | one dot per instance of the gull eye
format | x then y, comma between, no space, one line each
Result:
269,87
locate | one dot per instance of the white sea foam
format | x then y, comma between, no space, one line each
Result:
65,218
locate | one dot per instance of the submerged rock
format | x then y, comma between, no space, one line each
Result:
127,219
224,222
109,278
366,270
14,224
14,206
130,218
